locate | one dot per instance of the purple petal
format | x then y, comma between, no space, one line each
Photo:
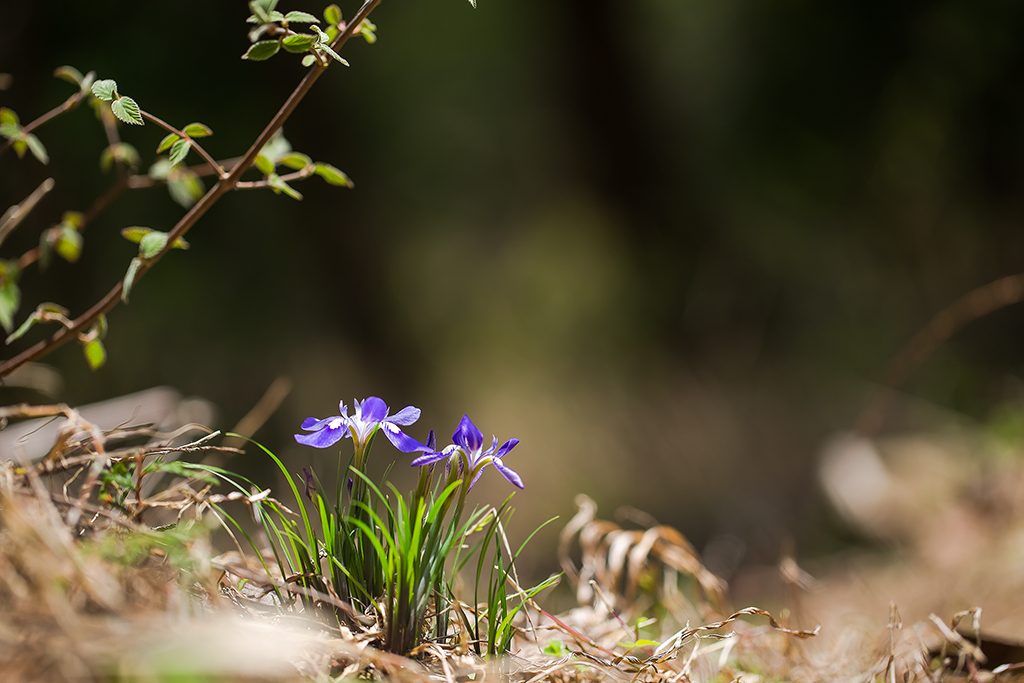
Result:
428,458
431,440
401,440
468,436
405,417
505,448
311,424
343,409
331,434
511,475
373,409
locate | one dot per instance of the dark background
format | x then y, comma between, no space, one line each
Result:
669,245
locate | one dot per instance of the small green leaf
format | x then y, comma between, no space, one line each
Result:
265,49
309,60
125,109
295,160
280,186
152,243
332,15
69,244
160,169
197,130
276,147
135,233
367,29
37,149
473,3
95,354
129,278
72,219
334,55
122,152
169,140
51,308
10,130
265,165
179,150
87,82
10,299
301,17
185,187
8,117
300,42
25,327
333,175
20,146
69,74
556,648
104,90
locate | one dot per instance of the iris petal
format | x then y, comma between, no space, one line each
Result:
401,440
468,436
323,438
373,409
429,458
405,417
506,447
511,475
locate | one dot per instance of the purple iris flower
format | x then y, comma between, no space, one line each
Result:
369,415
470,441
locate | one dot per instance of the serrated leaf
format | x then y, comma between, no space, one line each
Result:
295,160
333,175
265,165
276,16
135,233
10,299
129,278
37,149
301,17
332,15
25,327
334,55
95,354
152,243
179,150
168,140
308,60
265,49
197,130
69,244
185,187
104,90
300,42
125,109
69,74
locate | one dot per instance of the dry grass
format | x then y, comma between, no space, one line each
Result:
90,592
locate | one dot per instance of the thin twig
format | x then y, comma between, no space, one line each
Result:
69,104
17,213
110,300
184,136
947,322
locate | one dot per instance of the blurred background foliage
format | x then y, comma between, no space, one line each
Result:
670,245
